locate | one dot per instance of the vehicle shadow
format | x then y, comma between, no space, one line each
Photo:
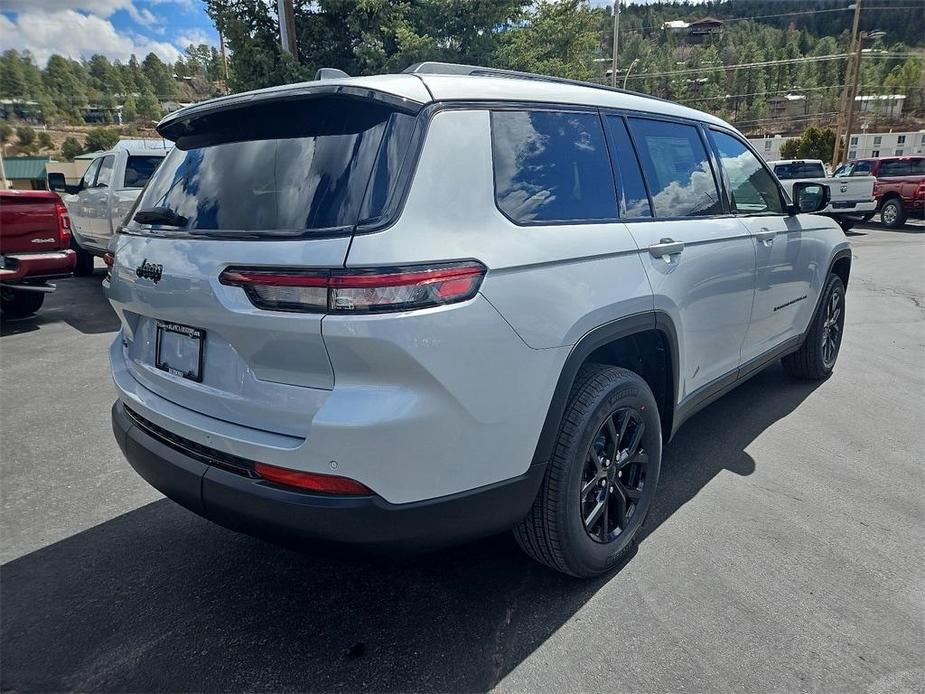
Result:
160,600
79,301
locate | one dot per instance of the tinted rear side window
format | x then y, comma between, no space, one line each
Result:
903,167
138,170
634,202
786,172
552,166
284,168
677,168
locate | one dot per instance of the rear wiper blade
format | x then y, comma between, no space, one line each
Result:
160,215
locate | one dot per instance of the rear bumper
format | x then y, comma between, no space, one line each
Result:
28,267
851,207
263,509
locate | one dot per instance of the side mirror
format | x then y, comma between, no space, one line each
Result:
810,197
57,183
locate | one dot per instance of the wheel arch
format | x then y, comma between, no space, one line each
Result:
841,265
625,342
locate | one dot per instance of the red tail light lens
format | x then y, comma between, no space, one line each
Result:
64,224
326,484
357,290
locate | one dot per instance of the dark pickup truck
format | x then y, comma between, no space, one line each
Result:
35,240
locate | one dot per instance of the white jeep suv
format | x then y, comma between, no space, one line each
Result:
413,309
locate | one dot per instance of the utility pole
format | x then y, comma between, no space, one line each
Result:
221,47
287,28
616,42
846,111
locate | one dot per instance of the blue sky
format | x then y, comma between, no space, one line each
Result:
115,28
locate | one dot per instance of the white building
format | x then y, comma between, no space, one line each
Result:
866,145
860,146
886,105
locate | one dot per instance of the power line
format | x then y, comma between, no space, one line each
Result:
771,63
808,116
784,14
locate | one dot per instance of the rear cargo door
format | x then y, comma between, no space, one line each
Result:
263,187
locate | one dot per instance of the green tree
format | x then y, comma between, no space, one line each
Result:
26,136
71,148
65,83
148,106
100,139
12,79
129,109
559,38
45,141
814,143
160,76
6,132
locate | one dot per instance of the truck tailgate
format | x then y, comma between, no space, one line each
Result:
28,222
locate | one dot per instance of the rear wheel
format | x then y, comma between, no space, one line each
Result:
602,477
84,265
16,303
846,223
816,357
892,214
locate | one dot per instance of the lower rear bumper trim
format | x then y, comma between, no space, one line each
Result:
260,508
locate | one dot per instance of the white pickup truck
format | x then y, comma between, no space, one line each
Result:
851,198
105,194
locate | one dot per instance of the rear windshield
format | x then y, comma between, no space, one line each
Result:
286,168
138,170
799,169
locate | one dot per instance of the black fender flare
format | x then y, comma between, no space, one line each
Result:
598,337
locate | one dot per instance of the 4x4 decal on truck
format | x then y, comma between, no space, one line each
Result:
150,271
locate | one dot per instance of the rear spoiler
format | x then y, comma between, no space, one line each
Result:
177,124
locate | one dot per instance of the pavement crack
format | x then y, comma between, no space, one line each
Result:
501,632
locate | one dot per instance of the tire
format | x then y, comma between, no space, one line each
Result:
817,355
892,214
845,223
84,265
19,304
606,404
866,217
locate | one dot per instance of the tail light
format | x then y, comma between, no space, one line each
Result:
109,258
920,191
311,481
357,290
64,224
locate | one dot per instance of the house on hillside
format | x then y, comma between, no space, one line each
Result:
787,106
886,105
708,26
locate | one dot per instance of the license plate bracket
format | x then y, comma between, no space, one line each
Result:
178,350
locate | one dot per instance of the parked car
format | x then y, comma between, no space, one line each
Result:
408,310
850,199
104,196
35,237
900,186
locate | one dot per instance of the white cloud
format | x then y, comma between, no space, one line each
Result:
70,33
194,37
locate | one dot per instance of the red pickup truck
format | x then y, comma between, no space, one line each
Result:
35,246
900,186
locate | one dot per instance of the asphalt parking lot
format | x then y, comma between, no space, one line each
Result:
785,551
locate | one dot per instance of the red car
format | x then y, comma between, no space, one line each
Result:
900,186
35,240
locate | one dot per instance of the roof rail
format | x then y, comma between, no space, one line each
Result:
438,68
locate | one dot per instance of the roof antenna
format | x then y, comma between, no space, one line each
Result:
329,73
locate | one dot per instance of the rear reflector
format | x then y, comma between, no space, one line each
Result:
357,290
326,484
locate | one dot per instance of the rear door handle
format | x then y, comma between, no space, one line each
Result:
665,247
766,236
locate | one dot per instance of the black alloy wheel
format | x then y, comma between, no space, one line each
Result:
614,476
